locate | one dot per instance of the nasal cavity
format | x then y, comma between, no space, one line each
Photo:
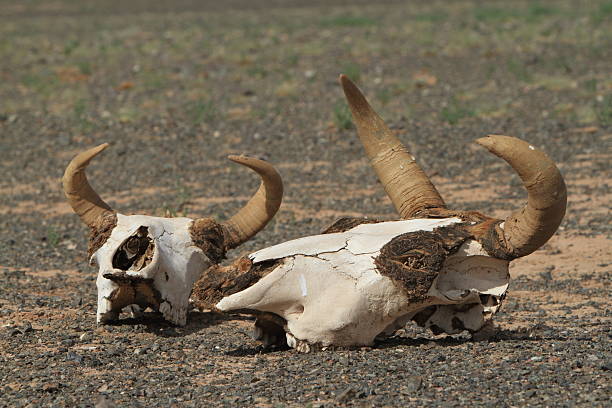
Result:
136,252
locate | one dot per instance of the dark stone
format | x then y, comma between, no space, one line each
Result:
72,356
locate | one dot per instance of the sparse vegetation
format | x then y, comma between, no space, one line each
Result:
485,13
534,11
202,111
178,206
53,236
604,110
590,85
384,95
518,69
342,116
352,71
347,21
70,46
538,10
603,12
432,17
455,111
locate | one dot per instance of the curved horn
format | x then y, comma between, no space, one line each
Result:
530,227
403,179
85,202
261,208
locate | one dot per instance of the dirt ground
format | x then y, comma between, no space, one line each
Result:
176,88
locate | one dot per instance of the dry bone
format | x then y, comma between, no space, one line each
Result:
153,262
446,270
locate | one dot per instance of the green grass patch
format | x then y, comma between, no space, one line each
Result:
533,12
384,95
353,71
604,111
590,85
431,17
202,112
53,236
348,21
79,108
454,112
538,10
257,71
42,83
179,206
519,70
488,13
292,60
604,12
342,116
154,79
70,46
84,67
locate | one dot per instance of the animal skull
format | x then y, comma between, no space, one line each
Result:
446,270
147,261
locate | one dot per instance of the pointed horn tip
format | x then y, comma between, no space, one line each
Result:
82,159
244,159
496,143
348,86
360,107
490,141
95,150
487,140
235,157
260,166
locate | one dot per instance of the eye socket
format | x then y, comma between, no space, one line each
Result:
135,253
131,246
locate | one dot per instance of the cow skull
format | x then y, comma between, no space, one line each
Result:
147,261
446,270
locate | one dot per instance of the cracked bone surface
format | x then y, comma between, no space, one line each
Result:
153,262
446,270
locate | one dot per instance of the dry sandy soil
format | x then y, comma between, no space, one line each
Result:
175,89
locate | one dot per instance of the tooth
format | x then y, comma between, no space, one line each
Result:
291,341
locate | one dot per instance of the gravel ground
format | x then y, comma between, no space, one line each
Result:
174,90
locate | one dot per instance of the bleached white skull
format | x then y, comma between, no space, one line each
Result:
147,261
446,270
